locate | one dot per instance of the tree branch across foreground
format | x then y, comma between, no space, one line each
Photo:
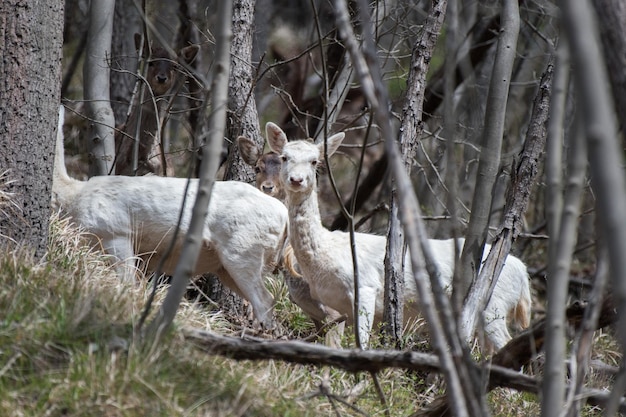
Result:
502,370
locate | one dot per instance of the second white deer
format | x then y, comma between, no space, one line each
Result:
325,257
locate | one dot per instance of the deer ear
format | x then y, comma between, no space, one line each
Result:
332,144
188,53
248,150
276,138
138,44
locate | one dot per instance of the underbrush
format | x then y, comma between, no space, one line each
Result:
67,348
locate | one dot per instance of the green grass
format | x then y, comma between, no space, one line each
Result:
67,349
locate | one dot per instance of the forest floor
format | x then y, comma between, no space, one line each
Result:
67,348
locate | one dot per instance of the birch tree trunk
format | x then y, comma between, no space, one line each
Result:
30,87
96,73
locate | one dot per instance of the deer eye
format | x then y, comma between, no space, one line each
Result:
257,170
314,162
283,158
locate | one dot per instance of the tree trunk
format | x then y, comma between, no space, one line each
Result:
489,162
604,151
243,119
100,140
558,268
612,14
123,57
30,86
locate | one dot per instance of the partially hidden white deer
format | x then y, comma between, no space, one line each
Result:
325,257
136,217
267,178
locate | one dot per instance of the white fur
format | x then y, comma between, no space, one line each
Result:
326,261
267,168
243,233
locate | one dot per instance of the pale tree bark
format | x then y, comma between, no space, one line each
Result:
450,132
517,199
96,73
216,126
554,374
489,162
604,150
612,14
558,278
450,352
30,87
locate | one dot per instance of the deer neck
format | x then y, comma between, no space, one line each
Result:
305,227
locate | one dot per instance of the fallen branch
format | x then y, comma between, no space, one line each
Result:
502,371
352,360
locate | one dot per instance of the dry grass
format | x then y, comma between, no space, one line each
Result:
67,349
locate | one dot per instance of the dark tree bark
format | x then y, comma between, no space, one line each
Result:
123,57
30,86
243,118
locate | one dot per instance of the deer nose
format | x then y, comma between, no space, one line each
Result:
267,189
161,79
296,180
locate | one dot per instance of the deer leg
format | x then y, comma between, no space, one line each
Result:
120,249
249,284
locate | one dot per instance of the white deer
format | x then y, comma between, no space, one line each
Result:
325,257
131,217
267,178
